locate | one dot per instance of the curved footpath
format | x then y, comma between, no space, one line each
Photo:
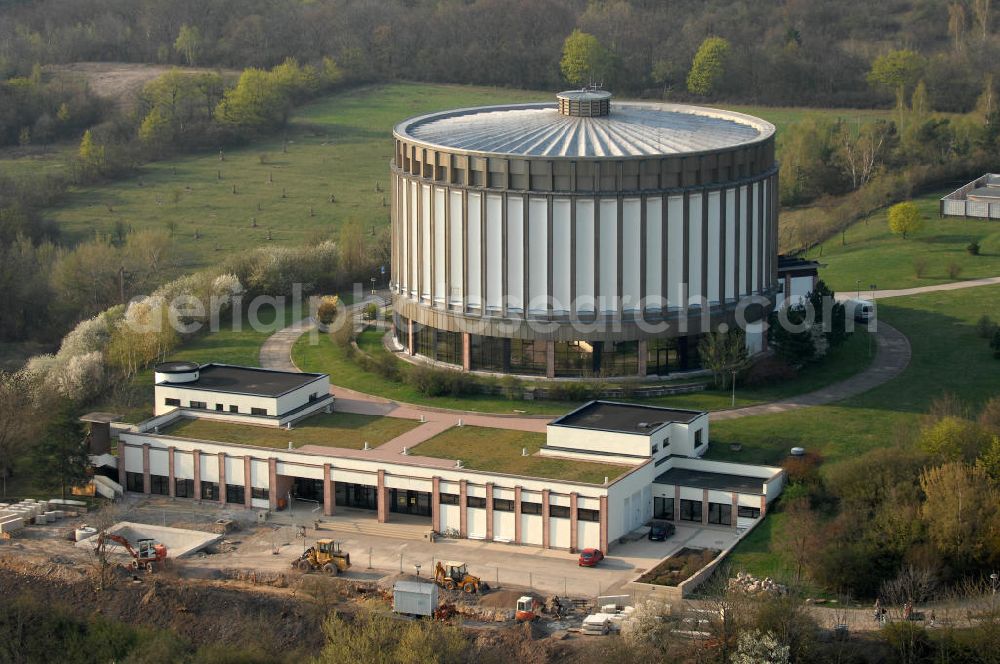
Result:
891,359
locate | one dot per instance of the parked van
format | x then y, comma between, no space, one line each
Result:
861,310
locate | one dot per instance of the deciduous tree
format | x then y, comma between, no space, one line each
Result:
584,59
905,218
708,66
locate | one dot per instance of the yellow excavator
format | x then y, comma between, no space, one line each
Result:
451,575
326,556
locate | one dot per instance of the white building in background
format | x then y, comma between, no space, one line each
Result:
797,278
979,198
239,394
659,449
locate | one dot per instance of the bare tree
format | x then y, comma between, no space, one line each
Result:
101,558
861,150
15,419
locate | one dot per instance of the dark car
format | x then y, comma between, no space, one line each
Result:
590,557
659,532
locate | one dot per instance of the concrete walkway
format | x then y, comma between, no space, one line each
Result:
891,359
892,356
903,292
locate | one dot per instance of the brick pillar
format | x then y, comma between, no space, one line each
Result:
550,359
736,508
436,504
196,466
573,520
545,518
222,478
704,506
463,510
146,484
677,503
380,495
121,465
643,351
409,337
763,506
272,482
517,515
604,524
489,511
171,481
247,482
466,351
327,490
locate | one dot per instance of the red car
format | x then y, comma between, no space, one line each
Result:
590,557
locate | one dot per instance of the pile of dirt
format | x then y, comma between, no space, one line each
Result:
387,582
524,644
505,599
201,612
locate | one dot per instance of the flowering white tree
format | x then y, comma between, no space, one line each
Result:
757,647
647,624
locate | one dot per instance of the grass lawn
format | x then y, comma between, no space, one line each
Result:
340,145
239,345
947,357
499,451
327,357
874,255
334,430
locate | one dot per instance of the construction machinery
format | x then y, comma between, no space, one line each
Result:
528,609
326,556
453,575
144,555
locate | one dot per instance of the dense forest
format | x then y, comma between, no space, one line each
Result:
796,52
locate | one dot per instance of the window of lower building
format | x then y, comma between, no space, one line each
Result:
197,404
209,490
748,512
475,501
258,411
574,358
184,488
559,511
172,402
448,498
502,505
234,409
448,347
133,482
159,485
720,514
531,508
698,438
620,358
663,508
219,407
235,493
588,515
488,354
690,510
257,493
528,357
662,460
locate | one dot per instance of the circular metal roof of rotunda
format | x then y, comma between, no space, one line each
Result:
597,128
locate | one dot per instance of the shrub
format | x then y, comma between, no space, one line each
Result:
973,248
920,267
371,311
954,270
771,369
985,327
995,344
327,310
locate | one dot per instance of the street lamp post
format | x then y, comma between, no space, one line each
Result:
734,388
373,285
993,596
859,288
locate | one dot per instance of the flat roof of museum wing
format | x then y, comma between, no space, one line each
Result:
624,417
232,379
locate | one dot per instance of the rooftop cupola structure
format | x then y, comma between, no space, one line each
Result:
587,103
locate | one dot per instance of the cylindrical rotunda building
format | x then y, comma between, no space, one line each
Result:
582,237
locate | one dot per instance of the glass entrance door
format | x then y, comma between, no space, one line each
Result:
403,501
